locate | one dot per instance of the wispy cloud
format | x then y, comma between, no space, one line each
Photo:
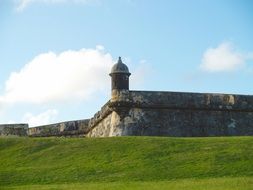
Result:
22,4
224,58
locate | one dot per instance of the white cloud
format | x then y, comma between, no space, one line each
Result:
50,77
222,58
58,80
69,76
22,4
41,119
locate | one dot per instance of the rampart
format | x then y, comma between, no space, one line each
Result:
13,129
68,128
72,128
176,114
152,113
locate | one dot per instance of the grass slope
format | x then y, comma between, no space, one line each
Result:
126,163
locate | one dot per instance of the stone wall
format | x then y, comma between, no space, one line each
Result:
137,113
100,124
69,128
182,100
102,128
13,130
176,114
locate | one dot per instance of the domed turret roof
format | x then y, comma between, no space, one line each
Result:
120,67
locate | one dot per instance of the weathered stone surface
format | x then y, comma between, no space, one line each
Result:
69,128
102,129
13,129
156,114
176,114
182,100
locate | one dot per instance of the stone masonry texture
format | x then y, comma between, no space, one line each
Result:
176,114
154,113
13,130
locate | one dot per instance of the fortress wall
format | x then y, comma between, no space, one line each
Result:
183,100
185,123
190,114
151,113
178,114
13,129
69,128
102,128
100,124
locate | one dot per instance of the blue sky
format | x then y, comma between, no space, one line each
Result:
56,54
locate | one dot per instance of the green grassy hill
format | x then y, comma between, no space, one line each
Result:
126,163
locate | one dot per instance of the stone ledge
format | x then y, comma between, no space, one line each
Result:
184,100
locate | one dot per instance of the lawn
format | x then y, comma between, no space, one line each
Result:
126,163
